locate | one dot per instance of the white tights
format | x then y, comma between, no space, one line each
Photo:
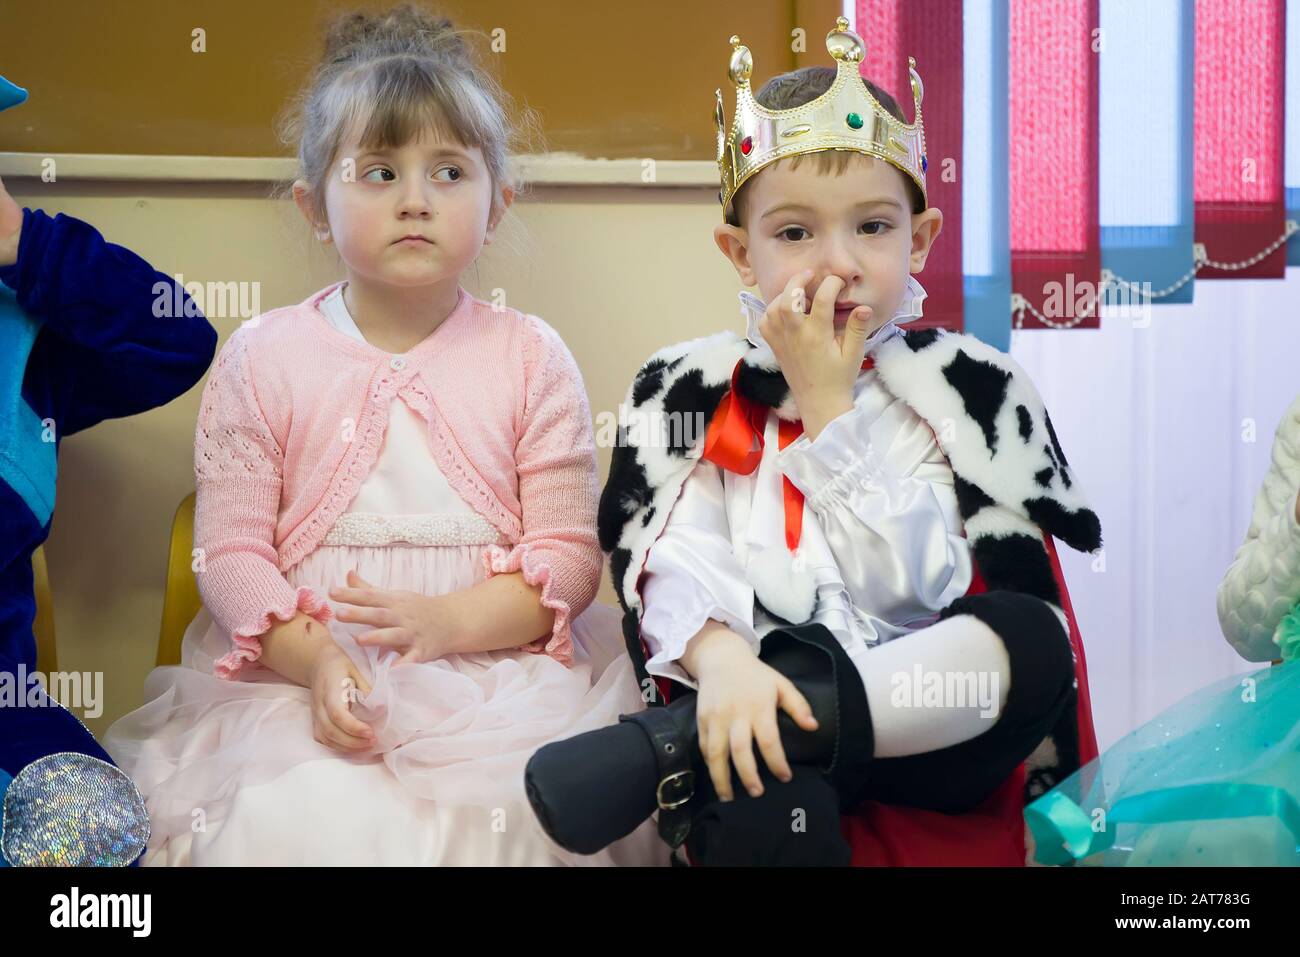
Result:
904,721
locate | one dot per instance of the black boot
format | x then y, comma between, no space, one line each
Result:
591,790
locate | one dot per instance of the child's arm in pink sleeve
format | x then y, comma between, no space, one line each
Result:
555,459
237,469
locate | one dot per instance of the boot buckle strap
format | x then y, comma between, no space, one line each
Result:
678,779
676,785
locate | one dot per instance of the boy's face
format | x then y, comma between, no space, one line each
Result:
856,225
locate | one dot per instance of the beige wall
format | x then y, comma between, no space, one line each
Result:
618,271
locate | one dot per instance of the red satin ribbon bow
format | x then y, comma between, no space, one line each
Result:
734,441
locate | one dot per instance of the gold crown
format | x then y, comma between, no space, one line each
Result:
845,117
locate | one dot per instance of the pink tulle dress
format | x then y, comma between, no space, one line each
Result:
232,775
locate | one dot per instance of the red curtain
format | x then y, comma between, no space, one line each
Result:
930,31
1053,51
1240,71
1052,133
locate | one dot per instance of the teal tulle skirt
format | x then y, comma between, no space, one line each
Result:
1212,781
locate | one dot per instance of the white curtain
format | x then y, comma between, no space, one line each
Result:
1169,427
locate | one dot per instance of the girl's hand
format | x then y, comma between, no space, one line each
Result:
11,225
819,369
335,684
415,625
738,700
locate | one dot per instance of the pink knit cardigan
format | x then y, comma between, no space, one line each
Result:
293,417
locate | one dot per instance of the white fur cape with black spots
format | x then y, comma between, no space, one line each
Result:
1011,478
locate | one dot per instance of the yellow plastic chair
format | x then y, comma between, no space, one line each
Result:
181,601
47,658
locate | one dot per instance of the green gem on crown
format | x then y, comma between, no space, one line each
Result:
854,121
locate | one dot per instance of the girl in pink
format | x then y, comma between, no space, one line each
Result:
395,526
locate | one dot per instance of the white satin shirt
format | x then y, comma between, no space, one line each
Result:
882,535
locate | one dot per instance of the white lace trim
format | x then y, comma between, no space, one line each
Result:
368,528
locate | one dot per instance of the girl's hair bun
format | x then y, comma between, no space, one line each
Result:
404,29
390,76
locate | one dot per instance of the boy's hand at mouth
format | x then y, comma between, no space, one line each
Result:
819,367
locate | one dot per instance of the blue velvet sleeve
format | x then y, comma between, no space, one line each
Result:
113,342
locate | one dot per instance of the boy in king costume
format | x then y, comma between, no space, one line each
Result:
849,571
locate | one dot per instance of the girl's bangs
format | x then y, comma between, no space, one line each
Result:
401,100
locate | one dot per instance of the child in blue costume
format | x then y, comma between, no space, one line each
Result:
1214,780
79,342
